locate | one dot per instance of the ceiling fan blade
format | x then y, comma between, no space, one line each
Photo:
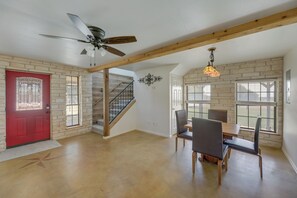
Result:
113,50
65,38
84,52
120,40
79,24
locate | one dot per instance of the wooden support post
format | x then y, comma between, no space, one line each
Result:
106,103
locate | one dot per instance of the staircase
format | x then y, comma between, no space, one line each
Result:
118,104
121,94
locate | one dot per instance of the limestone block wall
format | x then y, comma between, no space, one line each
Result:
58,74
223,90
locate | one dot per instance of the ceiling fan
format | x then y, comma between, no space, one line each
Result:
95,36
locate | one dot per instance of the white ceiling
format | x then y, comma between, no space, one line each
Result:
154,23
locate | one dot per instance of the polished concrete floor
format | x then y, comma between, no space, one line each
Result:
141,165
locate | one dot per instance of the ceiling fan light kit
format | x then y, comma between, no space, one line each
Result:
95,36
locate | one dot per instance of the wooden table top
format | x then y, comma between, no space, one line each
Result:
228,129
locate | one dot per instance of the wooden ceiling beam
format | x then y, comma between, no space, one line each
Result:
258,25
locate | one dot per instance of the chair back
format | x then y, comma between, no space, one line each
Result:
207,137
181,120
256,135
216,114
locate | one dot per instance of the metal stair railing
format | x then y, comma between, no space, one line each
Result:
118,103
101,99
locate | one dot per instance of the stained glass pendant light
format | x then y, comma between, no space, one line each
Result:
210,70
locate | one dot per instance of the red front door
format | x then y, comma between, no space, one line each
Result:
27,108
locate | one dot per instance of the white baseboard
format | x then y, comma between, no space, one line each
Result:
114,135
172,134
154,133
290,160
144,131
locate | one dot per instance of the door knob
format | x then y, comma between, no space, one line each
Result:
47,107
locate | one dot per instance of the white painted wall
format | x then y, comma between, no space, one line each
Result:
153,102
126,123
290,125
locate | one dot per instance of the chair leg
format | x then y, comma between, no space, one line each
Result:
194,158
219,171
176,143
260,163
226,162
260,153
184,142
201,158
229,153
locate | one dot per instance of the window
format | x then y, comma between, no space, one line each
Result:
72,101
256,98
198,100
28,93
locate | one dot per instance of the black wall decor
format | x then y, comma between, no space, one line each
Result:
149,79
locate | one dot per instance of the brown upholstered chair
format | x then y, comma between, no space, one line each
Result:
208,140
248,146
182,132
217,114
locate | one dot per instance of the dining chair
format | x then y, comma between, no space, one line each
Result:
251,147
208,140
182,132
217,114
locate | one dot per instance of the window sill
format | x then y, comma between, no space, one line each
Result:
263,132
73,127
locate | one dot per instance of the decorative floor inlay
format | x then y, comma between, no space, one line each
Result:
28,149
39,161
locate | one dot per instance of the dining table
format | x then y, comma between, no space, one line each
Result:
229,130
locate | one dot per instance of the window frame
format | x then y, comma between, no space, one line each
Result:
78,94
261,104
199,102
